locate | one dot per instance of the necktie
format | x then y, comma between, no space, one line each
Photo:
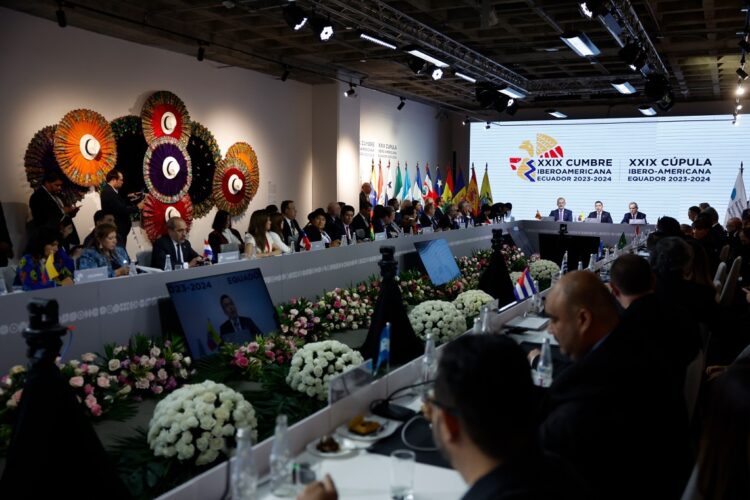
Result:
179,253
348,236
561,215
237,325
598,217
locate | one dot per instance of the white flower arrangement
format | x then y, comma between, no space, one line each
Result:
315,364
194,422
543,269
514,275
439,318
470,302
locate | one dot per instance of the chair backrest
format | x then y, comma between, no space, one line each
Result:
724,254
730,287
143,257
693,377
720,277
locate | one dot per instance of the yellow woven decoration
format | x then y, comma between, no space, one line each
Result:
245,152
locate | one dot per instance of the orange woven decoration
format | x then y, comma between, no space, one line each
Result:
156,214
245,152
85,147
40,158
164,114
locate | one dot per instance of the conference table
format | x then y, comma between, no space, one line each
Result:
113,310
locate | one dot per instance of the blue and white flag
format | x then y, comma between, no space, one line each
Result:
525,287
385,347
564,264
600,253
738,198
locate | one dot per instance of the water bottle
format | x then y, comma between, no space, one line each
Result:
281,461
429,362
168,263
133,270
592,262
580,265
244,475
544,367
484,320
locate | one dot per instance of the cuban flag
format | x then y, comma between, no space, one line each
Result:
525,287
385,347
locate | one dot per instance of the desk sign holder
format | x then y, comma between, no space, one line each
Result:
91,275
229,256
349,382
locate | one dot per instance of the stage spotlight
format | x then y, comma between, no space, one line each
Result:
62,19
322,28
738,108
742,73
592,8
657,86
487,127
401,104
485,94
437,73
465,121
512,109
294,16
744,45
285,74
667,102
633,56
418,66
647,110
502,102
351,92
201,53
740,90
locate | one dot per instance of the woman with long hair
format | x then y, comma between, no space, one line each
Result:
257,239
33,272
277,233
104,252
223,233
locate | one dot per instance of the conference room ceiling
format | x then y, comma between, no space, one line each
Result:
514,42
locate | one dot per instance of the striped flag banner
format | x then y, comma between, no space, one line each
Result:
525,287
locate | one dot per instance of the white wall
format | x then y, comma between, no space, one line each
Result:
48,71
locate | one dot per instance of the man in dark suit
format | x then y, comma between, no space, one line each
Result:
334,227
633,213
562,214
396,206
608,409
290,226
599,214
347,231
366,193
361,221
176,245
100,217
236,323
117,205
429,218
47,209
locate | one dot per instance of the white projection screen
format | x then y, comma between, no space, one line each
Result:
663,164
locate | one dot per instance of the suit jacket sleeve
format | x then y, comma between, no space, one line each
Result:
113,202
44,210
625,218
607,218
188,253
161,249
568,215
553,213
249,325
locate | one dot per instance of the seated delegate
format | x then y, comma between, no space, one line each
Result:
33,273
104,252
223,234
257,240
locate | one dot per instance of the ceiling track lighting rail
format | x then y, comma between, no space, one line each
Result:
623,12
742,74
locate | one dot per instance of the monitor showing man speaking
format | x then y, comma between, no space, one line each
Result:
232,308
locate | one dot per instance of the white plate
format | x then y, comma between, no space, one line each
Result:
346,448
387,427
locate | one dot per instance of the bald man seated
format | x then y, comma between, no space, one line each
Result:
612,413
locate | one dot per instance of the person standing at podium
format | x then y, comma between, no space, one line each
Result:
599,214
562,214
633,213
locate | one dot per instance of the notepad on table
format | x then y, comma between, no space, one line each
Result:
529,322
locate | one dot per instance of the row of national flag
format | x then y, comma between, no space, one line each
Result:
385,187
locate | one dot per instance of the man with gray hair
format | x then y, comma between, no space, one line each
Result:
176,245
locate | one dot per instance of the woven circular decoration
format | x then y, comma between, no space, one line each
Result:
167,169
156,214
231,186
131,147
40,158
164,114
204,155
85,147
245,152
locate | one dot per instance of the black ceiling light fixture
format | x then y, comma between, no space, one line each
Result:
285,74
656,87
294,16
62,19
417,65
742,74
633,55
201,52
485,94
401,104
465,121
351,92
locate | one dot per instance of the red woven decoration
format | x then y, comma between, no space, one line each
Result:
164,114
156,214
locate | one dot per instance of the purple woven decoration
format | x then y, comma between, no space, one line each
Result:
167,169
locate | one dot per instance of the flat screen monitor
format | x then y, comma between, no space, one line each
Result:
438,260
223,308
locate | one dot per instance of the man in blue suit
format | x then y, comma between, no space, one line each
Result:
561,214
599,214
633,214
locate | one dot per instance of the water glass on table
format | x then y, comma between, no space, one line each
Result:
402,474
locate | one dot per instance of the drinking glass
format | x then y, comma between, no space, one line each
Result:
402,474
